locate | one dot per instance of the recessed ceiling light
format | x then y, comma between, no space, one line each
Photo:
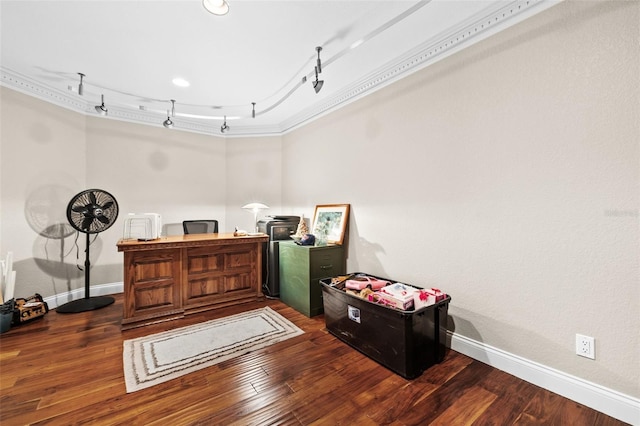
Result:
180,82
217,7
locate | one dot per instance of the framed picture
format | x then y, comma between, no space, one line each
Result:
331,220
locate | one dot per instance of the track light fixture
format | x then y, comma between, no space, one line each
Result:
318,61
101,109
156,107
224,126
81,85
217,7
168,123
317,85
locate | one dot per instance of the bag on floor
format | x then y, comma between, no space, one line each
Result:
29,309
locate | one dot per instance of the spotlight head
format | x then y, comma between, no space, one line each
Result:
168,123
317,85
101,109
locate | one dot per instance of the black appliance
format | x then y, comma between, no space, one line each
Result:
278,228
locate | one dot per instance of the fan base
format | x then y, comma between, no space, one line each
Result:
86,304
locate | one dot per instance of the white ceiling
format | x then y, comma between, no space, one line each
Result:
259,52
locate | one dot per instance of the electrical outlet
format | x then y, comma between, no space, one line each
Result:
585,346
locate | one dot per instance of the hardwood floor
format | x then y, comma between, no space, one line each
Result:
67,369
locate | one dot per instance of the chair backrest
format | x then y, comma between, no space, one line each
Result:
200,226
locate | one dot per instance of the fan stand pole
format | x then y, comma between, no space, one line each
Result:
87,269
88,303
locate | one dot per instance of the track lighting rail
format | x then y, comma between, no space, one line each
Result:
316,83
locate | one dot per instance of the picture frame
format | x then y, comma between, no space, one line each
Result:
332,220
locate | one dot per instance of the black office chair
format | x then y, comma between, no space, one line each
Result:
200,226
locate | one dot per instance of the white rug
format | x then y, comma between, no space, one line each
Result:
161,357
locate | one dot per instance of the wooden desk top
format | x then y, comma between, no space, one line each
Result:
189,240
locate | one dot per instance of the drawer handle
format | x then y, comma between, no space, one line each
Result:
326,266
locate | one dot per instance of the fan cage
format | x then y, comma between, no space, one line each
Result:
92,211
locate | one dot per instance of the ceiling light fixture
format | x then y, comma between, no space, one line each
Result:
224,126
221,6
317,85
81,85
101,109
217,7
318,61
180,82
253,110
168,123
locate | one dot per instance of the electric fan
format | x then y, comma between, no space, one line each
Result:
91,211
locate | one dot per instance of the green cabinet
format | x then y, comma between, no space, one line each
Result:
302,268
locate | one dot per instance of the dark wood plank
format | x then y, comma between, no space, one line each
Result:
513,397
67,369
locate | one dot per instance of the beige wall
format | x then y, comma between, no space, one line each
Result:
43,152
50,154
507,175
254,174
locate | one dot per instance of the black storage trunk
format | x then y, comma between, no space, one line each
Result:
406,342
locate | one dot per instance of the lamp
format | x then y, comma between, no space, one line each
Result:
255,208
317,85
224,126
168,123
217,7
101,109
81,85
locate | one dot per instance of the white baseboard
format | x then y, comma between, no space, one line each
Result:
96,290
615,404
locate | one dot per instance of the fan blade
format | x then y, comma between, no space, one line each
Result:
103,219
92,197
86,223
80,209
107,205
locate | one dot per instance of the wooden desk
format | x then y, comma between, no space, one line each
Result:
175,276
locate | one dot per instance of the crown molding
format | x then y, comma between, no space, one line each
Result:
437,48
71,101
